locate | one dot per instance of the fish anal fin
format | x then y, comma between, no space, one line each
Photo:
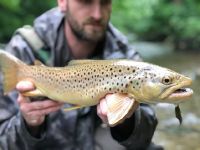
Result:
72,108
33,93
119,106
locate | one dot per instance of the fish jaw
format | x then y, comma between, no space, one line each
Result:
178,92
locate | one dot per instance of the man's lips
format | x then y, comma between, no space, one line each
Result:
96,26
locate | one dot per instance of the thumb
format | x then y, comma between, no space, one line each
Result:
23,86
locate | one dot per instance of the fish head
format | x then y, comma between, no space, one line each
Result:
154,84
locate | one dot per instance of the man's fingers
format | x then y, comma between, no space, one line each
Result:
103,107
21,99
35,121
39,105
43,112
101,114
36,117
24,86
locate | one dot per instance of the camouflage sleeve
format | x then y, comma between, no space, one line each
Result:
13,131
137,131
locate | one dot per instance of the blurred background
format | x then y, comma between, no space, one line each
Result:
165,32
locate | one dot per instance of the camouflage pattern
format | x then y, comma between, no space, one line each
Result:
73,130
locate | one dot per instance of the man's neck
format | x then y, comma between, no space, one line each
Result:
80,49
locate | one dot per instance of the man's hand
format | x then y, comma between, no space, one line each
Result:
102,109
34,112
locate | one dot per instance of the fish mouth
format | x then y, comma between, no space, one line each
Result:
179,92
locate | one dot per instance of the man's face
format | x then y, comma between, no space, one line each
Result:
88,19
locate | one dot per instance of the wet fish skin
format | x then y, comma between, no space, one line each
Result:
85,82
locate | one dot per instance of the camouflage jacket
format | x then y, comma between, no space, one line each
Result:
73,130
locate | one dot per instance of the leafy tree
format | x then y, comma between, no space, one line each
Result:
16,13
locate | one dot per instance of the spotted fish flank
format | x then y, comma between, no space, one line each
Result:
85,82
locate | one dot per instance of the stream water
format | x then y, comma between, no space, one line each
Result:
169,133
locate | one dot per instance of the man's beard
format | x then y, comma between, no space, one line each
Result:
81,33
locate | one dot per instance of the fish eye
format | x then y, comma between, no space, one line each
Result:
166,80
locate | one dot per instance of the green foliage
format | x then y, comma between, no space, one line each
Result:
177,20
131,15
16,13
156,20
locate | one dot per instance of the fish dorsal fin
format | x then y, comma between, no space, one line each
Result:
119,106
80,61
38,63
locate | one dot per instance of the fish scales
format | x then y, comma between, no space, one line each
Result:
87,83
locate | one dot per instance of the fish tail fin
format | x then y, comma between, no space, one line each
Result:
10,67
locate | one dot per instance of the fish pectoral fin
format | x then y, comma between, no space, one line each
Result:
119,105
33,93
72,108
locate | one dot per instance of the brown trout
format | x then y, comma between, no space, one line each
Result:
84,82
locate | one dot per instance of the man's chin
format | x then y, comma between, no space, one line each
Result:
95,35
94,38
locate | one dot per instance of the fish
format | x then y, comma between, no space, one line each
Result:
84,83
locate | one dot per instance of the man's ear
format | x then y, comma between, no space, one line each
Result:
62,4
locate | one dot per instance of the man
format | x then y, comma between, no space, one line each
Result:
77,29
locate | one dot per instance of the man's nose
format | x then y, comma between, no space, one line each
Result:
97,11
